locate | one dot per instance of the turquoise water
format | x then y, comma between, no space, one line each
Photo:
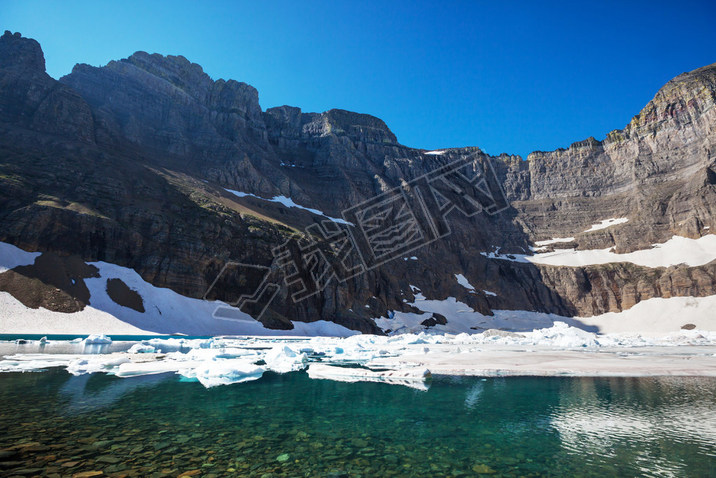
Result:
289,425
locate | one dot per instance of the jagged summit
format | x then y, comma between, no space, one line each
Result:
19,52
291,122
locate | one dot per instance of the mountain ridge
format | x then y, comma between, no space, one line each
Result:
156,153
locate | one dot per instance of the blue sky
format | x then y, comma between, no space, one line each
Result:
505,76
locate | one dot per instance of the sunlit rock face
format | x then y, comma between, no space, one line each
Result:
130,163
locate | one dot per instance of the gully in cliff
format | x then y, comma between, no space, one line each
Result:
374,232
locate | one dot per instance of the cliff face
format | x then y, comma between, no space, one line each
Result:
128,163
658,171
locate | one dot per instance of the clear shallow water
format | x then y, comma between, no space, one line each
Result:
290,425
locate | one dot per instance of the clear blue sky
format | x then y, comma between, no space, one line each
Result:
505,76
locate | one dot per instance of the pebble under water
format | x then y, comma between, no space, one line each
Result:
56,424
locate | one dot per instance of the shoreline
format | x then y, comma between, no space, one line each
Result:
220,361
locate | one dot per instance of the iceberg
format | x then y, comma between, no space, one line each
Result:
225,372
413,377
282,359
97,339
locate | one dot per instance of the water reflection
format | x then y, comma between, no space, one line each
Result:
91,392
473,395
654,423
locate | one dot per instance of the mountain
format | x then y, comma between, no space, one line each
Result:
133,165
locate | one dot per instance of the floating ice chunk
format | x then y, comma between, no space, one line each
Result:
225,372
98,363
214,354
133,369
283,359
563,336
97,339
170,345
141,348
413,377
34,362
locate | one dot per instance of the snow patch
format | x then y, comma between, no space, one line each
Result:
288,202
464,282
677,250
11,257
555,240
166,312
607,223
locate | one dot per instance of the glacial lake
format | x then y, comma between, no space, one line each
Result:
56,424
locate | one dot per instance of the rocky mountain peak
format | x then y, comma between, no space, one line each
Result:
679,102
290,122
177,70
21,53
365,126
222,96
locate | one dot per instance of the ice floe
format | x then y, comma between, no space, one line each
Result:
97,339
282,359
413,377
402,359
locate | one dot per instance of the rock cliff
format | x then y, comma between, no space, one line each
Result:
130,164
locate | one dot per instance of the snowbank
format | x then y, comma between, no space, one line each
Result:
11,257
166,312
677,250
607,223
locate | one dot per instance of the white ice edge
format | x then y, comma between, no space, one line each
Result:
413,377
402,360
